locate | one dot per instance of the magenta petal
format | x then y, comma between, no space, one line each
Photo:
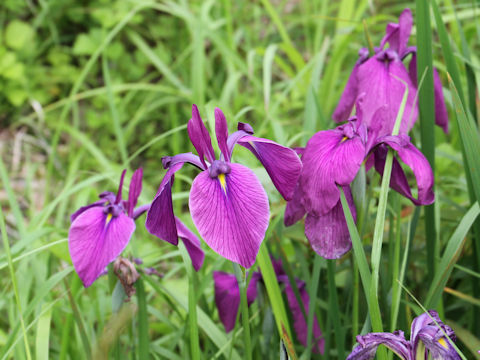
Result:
192,244
330,158
221,130
368,344
441,115
160,218
95,240
227,296
85,208
294,210
299,322
415,160
377,78
328,234
282,163
397,35
134,190
232,220
345,105
200,137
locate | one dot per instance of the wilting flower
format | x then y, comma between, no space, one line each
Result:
377,78
100,231
429,336
227,201
227,299
332,158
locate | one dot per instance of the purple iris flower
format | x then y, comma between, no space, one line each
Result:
227,299
428,337
227,202
100,231
332,158
377,78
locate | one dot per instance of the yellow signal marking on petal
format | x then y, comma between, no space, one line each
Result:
344,139
443,342
221,178
109,218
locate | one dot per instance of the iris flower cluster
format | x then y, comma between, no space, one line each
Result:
230,207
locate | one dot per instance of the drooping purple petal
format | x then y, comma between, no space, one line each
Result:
200,137
299,322
134,190
160,218
397,35
415,160
378,79
221,130
368,344
231,213
331,157
227,296
95,239
81,210
192,244
441,115
294,210
282,163
349,96
328,234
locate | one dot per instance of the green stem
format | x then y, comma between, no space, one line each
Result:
317,264
242,284
334,309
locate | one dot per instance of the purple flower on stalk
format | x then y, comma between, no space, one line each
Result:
100,231
429,337
332,158
227,299
227,202
377,78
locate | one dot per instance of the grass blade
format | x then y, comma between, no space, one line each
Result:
143,338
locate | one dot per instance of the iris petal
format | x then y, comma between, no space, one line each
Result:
221,130
328,234
397,35
200,137
282,163
95,240
160,218
232,222
192,244
347,100
329,159
369,343
134,191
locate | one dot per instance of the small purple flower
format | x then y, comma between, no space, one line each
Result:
227,201
332,158
100,231
377,77
429,336
227,299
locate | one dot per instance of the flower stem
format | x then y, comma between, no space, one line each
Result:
242,284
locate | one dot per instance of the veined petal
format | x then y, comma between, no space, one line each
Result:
294,210
328,234
231,213
282,163
368,344
330,158
227,296
415,160
95,239
441,115
134,190
347,100
160,218
221,130
299,322
192,244
378,79
397,35
200,137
